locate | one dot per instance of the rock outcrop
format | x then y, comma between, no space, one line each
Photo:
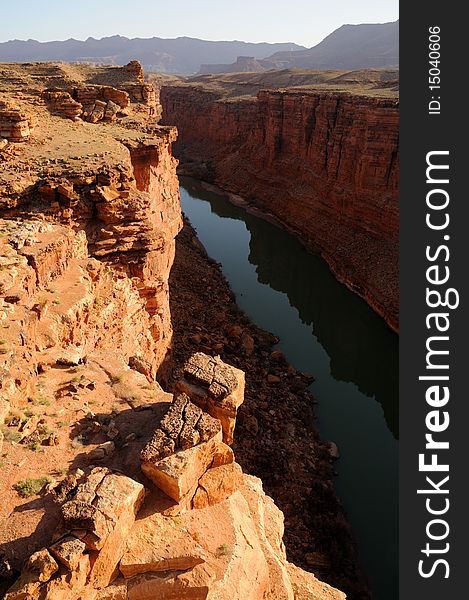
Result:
324,164
95,103
224,543
89,215
104,221
97,522
181,450
16,124
116,241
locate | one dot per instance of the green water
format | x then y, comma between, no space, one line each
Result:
325,330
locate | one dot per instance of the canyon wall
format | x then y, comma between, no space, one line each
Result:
109,238
323,164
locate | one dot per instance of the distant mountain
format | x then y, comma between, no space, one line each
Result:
243,64
181,55
349,47
364,46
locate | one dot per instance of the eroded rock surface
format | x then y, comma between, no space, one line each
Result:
216,387
225,542
183,426
181,449
16,122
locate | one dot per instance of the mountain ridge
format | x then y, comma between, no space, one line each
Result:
182,55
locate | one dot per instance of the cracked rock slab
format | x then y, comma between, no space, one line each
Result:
182,427
211,373
178,475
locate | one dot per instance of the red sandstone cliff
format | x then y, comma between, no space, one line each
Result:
324,164
88,219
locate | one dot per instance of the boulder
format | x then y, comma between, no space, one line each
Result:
43,564
141,365
157,543
68,551
178,475
333,450
39,568
101,515
247,344
111,111
216,388
69,358
181,449
183,426
217,484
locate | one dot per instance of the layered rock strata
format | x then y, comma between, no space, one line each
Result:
107,223
324,164
95,103
89,215
16,124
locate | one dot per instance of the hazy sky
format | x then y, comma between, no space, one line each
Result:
303,21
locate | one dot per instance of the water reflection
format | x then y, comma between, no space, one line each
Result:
326,330
362,349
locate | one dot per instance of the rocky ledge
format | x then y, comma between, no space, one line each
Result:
204,530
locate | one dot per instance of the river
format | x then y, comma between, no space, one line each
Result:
326,330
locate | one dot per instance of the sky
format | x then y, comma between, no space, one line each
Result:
305,22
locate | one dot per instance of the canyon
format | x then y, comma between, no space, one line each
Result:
318,154
118,476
